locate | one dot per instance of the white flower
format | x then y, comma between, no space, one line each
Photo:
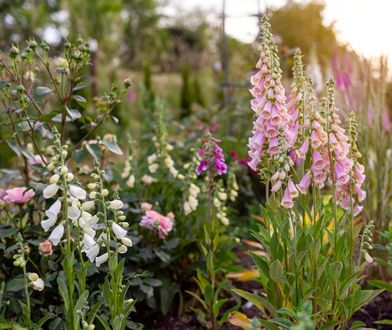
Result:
54,178
368,258
50,190
48,223
222,196
180,177
118,231
73,213
116,204
173,172
153,167
101,259
147,180
69,177
36,282
126,241
187,208
54,210
152,158
194,190
224,220
87,205
77,192
92,252
122,249
169,162
192,202
57,234
88,241
131,181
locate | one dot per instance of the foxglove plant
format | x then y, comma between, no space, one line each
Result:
308,239
212,162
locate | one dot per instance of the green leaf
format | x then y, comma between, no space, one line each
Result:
44,319
80,86
4,233
384,322
258,301
194,295
112,146
15,284
79,98
63,290
43,91
381,284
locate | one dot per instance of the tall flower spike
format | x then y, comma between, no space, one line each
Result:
268,103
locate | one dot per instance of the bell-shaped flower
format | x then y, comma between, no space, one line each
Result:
51,190
301,152
57,234
292,189
36,282
118,231
303,186
116,204
77,192
101,259
287,200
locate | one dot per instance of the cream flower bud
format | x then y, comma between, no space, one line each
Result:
368,258
91,186
32,276
69,177
287,167
64,170
169,147
122,249
169,162
54,178
50,167
93,195
86,206
116,204
180,177
105,192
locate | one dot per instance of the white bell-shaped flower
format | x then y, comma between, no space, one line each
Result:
57,234
116,204
118,231
50,190
92,252
126,241
77,192
101,259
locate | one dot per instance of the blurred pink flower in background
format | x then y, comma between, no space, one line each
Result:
18,195
37,159
155,221
132,95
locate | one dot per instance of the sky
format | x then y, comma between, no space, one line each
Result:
364,24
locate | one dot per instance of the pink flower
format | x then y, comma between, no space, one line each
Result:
361,194
301,152
155,221
213,157
340,175
292,189
357,209
287,200
318,162
303,186
18,195
37,159
276,186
